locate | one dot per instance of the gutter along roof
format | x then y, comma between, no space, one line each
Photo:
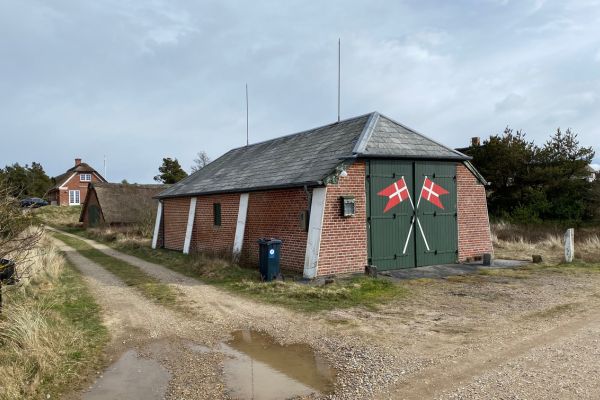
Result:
307,158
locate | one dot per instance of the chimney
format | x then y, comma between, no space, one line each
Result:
77,161
475,142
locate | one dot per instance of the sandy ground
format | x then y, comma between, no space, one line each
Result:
473,337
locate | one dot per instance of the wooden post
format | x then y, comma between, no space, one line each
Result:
569,245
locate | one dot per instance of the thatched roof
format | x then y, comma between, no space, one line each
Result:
82,167
123,203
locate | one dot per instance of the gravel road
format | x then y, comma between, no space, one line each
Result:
479,337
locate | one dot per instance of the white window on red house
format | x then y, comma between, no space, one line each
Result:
74,197
85,177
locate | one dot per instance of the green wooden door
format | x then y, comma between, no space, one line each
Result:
410,230
437,232
93,215
389,231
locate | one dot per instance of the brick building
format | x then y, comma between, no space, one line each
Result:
363,191
70,188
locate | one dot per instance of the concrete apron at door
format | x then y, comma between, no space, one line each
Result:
411,213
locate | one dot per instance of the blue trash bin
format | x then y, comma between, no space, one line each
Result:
269,255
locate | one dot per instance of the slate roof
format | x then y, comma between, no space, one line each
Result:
309,157
124,203
62,178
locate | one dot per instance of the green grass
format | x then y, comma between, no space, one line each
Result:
52,337
344,293
516,273
78,308
147,285
211,270
576,267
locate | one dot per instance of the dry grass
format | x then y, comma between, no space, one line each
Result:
67,218
59,216
521,242
50,330
125,236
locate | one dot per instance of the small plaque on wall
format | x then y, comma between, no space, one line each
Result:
348,206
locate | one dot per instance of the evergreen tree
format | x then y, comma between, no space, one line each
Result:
529,183
561,166
170,171
39,181
26,181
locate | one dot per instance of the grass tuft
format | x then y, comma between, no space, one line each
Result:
522,241
349,292
51,334
58,216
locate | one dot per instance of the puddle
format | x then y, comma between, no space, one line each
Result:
258,368
131,378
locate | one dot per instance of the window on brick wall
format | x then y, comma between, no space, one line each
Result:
74,197
217,214
85,177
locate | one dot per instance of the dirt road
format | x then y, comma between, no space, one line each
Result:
480,337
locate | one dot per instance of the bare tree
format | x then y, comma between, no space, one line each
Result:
19,235
201,161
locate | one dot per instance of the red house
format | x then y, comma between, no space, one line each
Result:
71,187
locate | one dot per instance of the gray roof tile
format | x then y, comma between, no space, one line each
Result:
308,157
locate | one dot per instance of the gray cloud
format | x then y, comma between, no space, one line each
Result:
140,80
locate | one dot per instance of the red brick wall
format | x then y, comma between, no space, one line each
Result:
175,222
474,237
276,213
207,237
74,184
344,240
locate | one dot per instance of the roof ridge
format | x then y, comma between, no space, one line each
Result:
365,135
425,136
300,132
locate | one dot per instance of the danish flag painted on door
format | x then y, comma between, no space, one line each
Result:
432,192
397,192
411,221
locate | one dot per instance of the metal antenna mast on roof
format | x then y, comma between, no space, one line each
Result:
339,73
247,136
105,167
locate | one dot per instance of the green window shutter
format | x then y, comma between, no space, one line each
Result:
217,214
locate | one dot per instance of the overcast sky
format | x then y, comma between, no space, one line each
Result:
141,80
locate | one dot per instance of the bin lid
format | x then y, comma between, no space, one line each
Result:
268,241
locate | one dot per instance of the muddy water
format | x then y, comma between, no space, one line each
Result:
259,368
131,378
255,367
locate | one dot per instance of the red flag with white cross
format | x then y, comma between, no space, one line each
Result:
397,192
432,192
